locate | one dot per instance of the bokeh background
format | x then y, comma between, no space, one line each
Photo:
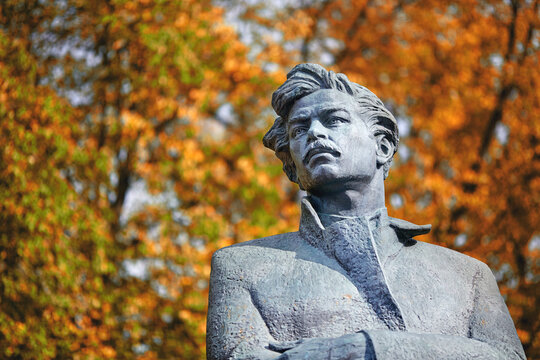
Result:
130,150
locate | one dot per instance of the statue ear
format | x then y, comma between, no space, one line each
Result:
385,150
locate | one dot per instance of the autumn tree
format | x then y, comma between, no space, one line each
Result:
98,99
101,101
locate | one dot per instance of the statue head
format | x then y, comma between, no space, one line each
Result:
311,91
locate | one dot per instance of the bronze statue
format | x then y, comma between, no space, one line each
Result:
352,283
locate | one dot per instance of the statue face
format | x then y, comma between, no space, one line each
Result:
330,143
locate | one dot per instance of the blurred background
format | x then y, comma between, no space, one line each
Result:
130,150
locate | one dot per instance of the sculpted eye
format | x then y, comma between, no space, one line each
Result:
334,120
297,131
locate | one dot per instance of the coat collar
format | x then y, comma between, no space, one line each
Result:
362,246
377,224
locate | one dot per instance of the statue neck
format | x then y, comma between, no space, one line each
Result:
357,199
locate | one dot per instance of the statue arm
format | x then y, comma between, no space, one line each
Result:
235,329
405,345
492,334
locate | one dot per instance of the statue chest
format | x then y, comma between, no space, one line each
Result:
312,300
306,299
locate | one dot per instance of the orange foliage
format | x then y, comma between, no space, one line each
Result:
101,101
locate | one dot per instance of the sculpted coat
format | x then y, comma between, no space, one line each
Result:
357,277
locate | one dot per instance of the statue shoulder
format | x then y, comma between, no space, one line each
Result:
436,254
442,255
254,254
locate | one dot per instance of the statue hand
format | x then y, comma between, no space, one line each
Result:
285,345
350,346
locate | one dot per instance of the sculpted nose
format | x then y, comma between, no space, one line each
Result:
316,131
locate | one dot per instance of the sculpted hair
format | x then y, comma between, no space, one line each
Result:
306,79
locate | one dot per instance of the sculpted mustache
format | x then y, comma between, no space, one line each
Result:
323,145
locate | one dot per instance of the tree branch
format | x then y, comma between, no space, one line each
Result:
497,113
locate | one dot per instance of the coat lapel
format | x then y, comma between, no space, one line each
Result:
353,243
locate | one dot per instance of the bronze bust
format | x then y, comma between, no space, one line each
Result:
352,283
